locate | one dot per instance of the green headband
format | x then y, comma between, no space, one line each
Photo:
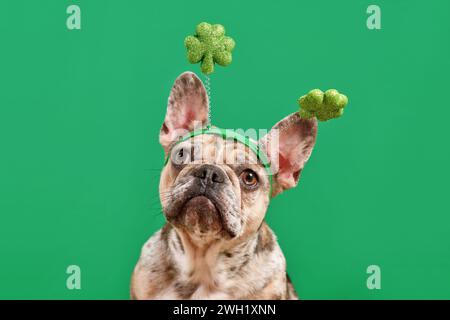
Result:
229,134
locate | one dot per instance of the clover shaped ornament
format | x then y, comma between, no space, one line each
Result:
209,46
322,105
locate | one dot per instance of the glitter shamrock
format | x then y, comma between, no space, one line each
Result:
323,106
209,45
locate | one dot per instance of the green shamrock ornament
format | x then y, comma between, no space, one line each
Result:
323,106
209,45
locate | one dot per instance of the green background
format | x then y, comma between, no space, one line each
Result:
80,113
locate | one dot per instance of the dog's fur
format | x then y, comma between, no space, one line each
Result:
216,244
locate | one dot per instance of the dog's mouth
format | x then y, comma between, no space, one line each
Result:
203,210
200,214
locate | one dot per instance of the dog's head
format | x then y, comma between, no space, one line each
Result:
213,187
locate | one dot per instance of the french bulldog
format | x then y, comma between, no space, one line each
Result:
215,243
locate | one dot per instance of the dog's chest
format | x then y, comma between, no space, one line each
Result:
202,276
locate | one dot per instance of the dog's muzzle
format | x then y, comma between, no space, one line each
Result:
207,204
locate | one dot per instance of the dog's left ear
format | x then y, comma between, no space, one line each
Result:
289,145
187,109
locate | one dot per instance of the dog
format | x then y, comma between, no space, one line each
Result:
215,243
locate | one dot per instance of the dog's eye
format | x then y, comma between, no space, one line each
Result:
181,156
249,178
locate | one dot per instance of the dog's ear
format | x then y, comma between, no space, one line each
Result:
289,145
187,109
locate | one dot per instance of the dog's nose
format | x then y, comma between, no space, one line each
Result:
210,174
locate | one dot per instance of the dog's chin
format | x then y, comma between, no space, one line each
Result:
200,216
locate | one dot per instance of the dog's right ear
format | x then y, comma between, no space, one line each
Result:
187,109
